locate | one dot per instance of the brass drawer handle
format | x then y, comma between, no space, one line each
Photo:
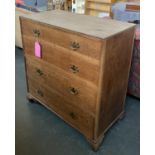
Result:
40,73
74,46
73,116
40,93
36,33
74,69
73,91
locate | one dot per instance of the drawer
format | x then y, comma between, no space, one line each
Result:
84,67
70,40
68,112
81,93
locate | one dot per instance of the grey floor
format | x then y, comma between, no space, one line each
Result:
40,132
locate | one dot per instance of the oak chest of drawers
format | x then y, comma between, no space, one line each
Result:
82,74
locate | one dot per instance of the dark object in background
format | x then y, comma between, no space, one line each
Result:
134,78
36,3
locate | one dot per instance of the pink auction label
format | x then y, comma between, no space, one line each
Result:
37,49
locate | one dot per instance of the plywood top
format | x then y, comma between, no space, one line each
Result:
88,25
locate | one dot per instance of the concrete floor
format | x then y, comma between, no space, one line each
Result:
40,132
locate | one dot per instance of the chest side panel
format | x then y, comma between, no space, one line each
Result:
116,66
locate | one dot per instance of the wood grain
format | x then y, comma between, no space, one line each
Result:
132,7
94,27
117,60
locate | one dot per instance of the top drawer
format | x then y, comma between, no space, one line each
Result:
81,44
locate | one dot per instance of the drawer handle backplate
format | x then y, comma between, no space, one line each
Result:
40,73
36,33
74,46
73,91
40,93
74,69
73,116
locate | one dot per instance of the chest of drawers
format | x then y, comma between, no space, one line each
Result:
82,74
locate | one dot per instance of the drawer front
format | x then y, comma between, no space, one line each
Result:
81,93
73,63
73,115
68,40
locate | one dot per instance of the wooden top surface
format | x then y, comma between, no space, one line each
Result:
88,25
